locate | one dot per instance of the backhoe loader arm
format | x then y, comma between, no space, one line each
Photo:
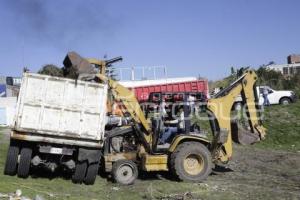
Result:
132,106
221,105
103,64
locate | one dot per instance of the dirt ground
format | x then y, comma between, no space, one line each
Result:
260,174
253,173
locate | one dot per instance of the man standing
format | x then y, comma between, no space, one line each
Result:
265,96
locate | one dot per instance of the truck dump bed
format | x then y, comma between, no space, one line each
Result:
53,107
142,89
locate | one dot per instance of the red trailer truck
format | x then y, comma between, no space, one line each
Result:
143,88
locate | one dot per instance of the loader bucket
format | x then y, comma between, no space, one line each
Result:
243,136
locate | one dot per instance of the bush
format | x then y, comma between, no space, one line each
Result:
277,81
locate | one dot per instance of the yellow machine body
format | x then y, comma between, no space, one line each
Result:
220,107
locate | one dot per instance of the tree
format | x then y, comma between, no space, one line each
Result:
232,71
270,77
271,63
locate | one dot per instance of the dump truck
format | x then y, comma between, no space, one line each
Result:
144,88
65,127
59,122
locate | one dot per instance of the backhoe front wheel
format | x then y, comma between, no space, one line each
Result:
124,172
191,161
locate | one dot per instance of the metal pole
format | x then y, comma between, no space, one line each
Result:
143,73
132,73
186,110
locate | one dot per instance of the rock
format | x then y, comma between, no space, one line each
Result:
51,195
18,192
38,197
25,198
215,187
3,195
115,188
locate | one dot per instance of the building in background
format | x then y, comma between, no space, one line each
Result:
290,69
293,59
9,90
9,86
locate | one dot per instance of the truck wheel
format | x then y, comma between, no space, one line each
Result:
91,174
191,161
11,160
80,171
24,163
285,101
124,172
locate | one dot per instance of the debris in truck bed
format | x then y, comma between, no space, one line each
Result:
51,70
75,67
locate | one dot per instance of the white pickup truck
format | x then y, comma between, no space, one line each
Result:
275,96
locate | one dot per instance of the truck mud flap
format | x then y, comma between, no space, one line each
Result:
91,155
243,136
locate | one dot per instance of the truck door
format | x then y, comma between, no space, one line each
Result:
273,99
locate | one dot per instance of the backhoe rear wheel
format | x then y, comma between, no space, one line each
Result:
191,161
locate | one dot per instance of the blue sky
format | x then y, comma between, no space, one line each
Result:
191,37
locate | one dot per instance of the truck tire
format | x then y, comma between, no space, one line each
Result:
124,172
91,173
191,161
285,101
24,163
11,160
80,171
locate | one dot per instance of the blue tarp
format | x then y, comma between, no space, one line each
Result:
2,90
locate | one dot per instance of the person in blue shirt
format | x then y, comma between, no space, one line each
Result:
175,127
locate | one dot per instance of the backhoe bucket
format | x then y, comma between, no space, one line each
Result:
243,136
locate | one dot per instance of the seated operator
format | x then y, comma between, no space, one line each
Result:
174,127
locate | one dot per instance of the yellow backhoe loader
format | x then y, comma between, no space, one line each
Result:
190,156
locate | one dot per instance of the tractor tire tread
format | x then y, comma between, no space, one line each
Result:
176,165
